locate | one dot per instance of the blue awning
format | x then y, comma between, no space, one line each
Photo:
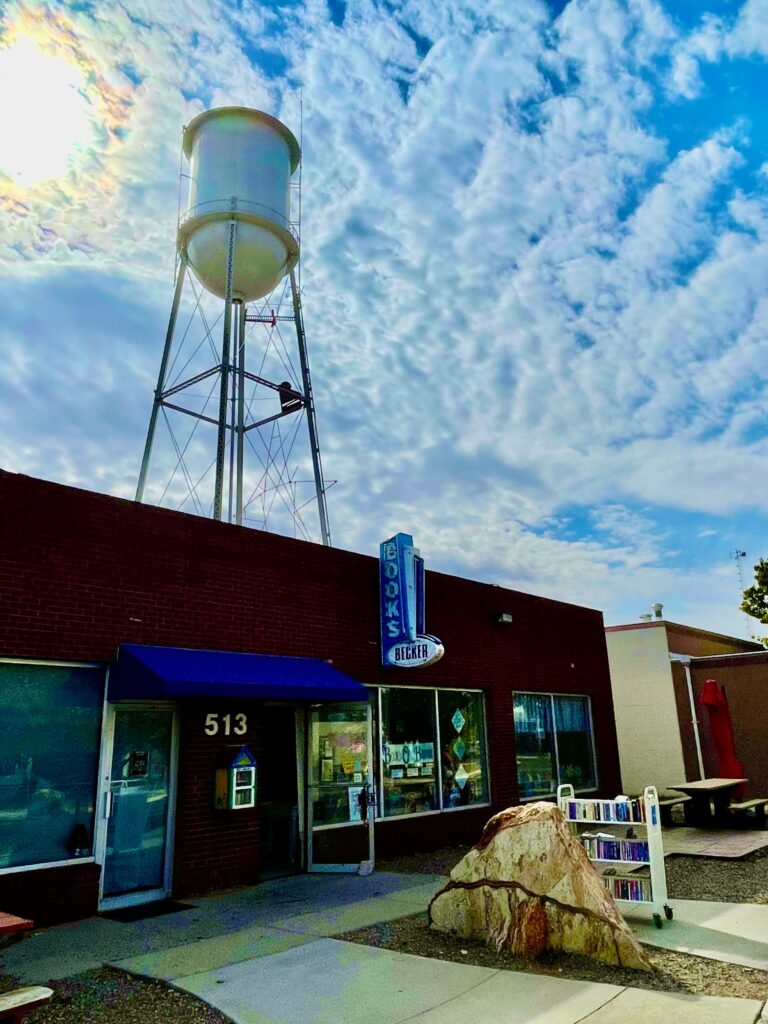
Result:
144,673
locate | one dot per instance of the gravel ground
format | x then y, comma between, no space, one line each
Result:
107,996
672,972
692,878
709,878
688,878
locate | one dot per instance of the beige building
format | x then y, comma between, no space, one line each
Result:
641,656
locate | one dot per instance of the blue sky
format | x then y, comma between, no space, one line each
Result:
535,265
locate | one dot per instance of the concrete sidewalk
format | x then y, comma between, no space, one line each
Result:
315,905
736,933
264,956
332,982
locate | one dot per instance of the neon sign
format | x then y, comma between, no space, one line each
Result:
404,644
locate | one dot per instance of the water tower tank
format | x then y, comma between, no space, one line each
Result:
241,166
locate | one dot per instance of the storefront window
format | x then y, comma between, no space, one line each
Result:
535,744
553,743
50,722
338,762
462,748
574,742
408,746
420,774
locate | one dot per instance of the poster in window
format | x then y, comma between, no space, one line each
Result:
394,754
138,764
426,751
353,793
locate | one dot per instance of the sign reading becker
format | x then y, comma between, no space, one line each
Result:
404,644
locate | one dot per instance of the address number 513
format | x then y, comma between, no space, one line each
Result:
215,722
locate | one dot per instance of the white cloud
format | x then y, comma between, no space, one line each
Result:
517,298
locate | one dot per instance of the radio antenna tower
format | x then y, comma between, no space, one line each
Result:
737,556
236,236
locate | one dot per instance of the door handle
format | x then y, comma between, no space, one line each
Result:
108,804
366,799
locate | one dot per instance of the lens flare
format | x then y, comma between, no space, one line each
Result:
46,118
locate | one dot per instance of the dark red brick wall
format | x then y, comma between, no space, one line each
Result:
699,644
394,837
51,895
81,573
213,849
746,687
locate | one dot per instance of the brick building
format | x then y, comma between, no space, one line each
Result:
125,762
657,712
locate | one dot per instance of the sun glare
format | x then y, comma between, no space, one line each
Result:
45,115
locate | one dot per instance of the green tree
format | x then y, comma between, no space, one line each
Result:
755,598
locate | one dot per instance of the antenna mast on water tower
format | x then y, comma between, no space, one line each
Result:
238,240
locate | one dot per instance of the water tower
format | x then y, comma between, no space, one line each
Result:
238,239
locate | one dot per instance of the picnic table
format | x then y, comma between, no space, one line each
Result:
704,794
12,926
16,1004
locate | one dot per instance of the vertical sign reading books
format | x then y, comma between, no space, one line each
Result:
404,644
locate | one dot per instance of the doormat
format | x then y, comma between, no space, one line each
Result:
138,913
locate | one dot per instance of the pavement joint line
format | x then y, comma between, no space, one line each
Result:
445,1002
185,945
607,1002
218,1009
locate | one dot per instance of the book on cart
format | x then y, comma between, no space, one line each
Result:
626,848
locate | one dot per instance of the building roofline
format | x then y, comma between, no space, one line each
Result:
636,625
691,630
738,655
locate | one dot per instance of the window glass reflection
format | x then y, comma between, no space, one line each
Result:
574,742
553,743
50,720
535,744
408,751
462,748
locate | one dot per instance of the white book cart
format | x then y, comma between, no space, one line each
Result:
634,840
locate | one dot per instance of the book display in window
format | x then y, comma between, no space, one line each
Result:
409,776
629,857
432,754
408,748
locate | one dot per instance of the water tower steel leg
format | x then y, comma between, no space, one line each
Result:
221,443
240,414
310,407
161,379
233,413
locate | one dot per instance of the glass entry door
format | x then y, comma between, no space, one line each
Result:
341,798
137,806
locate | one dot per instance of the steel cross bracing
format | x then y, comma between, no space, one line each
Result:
236,418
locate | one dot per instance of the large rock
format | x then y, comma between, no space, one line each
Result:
528,886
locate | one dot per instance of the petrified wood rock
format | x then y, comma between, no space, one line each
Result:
528,886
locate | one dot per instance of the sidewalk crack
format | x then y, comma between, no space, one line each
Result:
597,1009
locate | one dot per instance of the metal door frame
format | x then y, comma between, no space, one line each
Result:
104,795
364,867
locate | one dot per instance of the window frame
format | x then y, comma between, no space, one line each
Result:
380,816
552,694
69,861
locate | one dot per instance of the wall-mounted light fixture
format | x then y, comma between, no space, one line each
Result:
504,618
